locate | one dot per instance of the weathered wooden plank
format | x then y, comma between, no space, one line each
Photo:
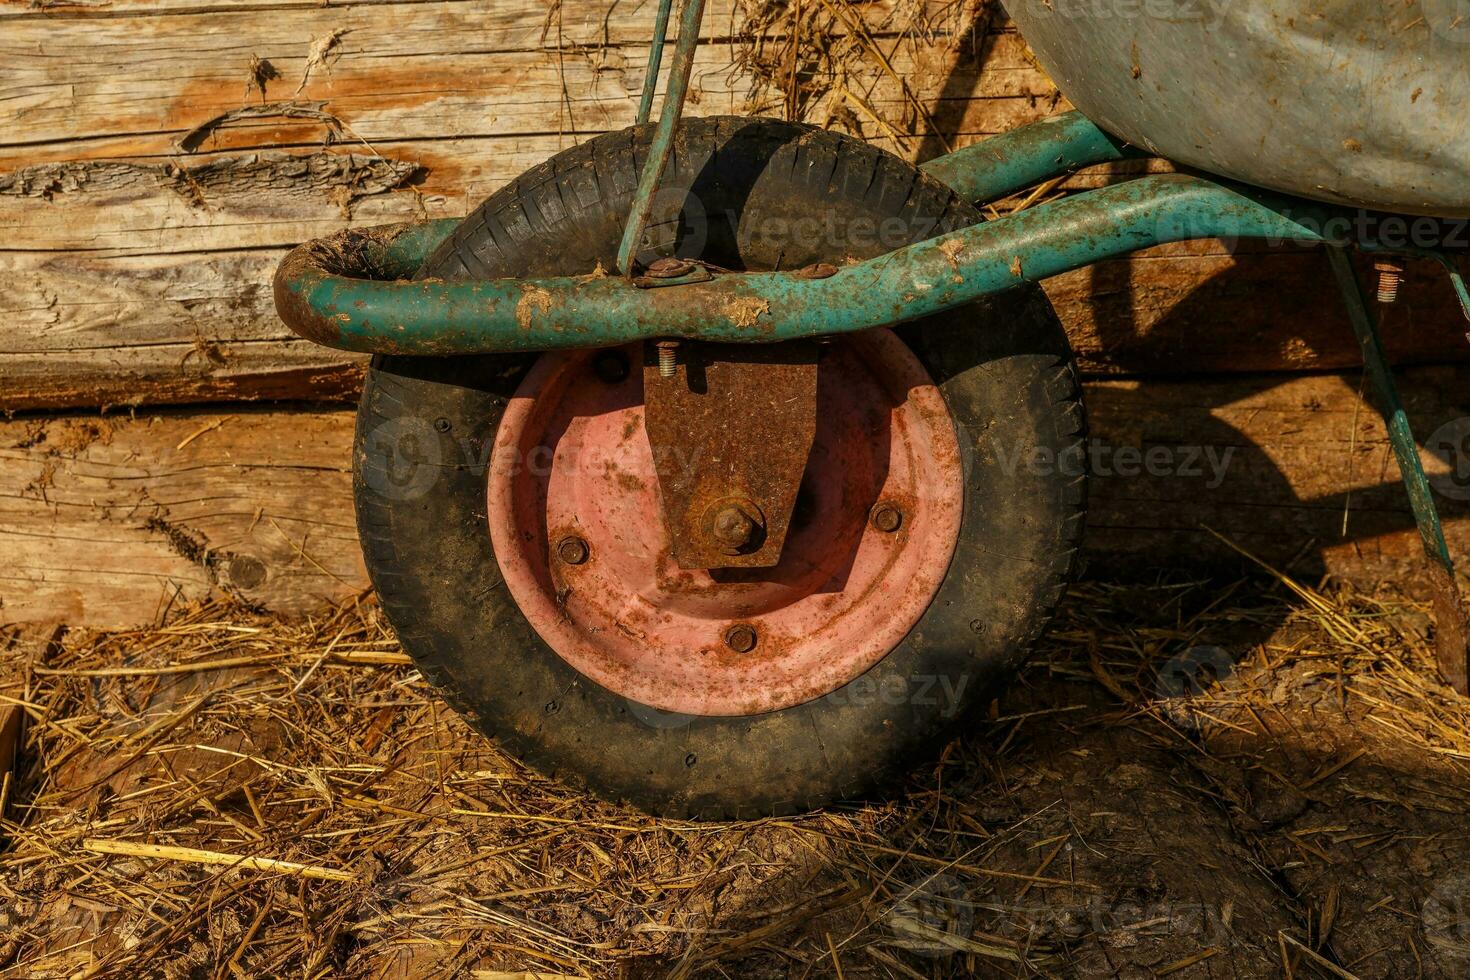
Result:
104,521
1309,479
427,71
87,329
109,520
1197,308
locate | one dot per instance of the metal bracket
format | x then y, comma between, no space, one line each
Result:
731,426
697,274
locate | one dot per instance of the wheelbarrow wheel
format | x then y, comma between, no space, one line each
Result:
509,515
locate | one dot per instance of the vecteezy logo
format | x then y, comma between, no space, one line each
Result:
1448,19
402,458
1450,444
930,915
657,717
1446,917
1188,675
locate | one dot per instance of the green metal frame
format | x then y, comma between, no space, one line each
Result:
366,306
668,120
1002,165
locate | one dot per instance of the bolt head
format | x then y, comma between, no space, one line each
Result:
668,267
741,638
572,550
887,518
736,525
734,528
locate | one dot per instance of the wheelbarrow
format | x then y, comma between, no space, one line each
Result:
687,464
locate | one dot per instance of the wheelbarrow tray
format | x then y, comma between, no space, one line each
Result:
1355,102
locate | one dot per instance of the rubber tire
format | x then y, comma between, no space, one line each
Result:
426,426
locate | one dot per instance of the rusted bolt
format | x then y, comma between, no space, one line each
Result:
668,352
887,518
441,425
736,526
817,270
668,268
741,638
611,366
572,550
1390,275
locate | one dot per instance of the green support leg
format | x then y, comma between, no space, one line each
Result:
1449,613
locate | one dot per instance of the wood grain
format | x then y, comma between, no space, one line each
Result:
106,521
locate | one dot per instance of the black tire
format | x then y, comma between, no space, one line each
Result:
425,427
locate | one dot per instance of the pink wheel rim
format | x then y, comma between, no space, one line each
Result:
571,460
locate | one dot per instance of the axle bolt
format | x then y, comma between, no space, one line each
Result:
1390,275
572,550
740,638
887,518
735,528
668,351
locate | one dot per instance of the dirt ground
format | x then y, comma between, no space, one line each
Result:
1192,779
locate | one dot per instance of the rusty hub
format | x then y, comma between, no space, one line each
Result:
572,460
731,426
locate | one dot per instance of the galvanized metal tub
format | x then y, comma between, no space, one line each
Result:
1358,102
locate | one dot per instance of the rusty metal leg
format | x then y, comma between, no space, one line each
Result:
1451,626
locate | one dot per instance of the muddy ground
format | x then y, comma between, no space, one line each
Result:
1192,779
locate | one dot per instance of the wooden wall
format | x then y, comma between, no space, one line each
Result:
159,156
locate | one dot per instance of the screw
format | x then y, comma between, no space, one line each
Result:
572,550
740,638
611,366
668,351
735,527
1390,275
887,518
441,425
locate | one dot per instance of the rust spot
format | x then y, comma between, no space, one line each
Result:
1016,266
1352,146
747,311
533,300
952,250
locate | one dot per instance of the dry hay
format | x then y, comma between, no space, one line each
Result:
823,61
232,796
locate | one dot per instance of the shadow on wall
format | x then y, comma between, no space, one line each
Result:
1267,459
